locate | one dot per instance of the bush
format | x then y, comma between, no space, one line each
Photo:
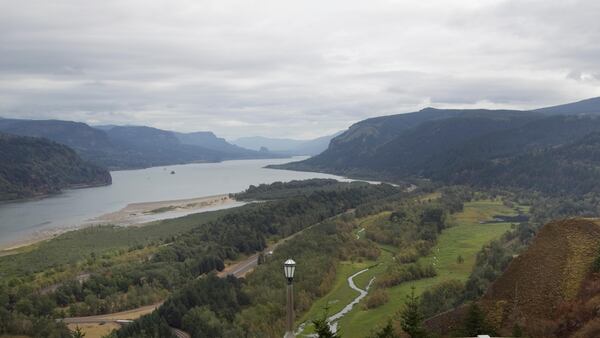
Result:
403,273
377,298
441,297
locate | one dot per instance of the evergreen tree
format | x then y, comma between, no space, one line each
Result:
322,327
386,332
411,318
517,331
475,322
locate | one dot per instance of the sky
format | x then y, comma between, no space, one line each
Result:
285,68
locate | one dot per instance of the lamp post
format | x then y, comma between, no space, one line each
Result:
289,268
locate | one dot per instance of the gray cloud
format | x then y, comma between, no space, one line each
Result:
289,68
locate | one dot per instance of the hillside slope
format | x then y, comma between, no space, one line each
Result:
549,282
550,290
474,147
34,166
75,135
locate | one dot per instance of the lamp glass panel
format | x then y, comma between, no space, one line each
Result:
289,268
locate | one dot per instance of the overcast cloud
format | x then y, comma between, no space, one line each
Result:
289,68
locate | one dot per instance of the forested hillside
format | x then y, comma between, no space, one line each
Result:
33,166
530,150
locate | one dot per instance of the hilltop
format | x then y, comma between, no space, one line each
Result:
33,166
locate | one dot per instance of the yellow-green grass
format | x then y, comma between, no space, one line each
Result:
95,330
431,196
465,239
374,219
341,294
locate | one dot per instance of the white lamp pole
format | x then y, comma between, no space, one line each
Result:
289,268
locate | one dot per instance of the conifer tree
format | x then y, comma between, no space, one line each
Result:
411,318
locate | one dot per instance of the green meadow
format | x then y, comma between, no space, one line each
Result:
79,245
465,238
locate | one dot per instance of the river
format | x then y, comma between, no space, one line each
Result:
28,219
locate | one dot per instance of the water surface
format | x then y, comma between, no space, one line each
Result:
28,219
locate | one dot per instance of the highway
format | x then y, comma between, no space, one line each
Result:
113,317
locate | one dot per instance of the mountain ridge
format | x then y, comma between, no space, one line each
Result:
473,147
131,147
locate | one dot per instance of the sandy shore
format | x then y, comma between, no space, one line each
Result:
135,214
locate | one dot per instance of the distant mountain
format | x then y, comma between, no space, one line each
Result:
287,146
124,147
494,148
209,140
138,146
31,166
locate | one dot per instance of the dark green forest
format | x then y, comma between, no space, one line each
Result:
32,166
539,152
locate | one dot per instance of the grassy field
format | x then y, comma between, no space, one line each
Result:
465,239
95,330
74,246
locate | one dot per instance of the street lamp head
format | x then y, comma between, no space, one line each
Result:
289,267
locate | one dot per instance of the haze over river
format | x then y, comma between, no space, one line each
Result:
22,220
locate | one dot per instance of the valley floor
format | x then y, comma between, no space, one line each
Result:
465,239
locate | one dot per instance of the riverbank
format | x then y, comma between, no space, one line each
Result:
134,214
139,213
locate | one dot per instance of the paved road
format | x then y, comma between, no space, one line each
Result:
240,269
122,318
113,317
180,334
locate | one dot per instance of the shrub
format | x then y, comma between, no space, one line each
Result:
377,298
403,273
441,297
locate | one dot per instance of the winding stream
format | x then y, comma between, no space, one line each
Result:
333,320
